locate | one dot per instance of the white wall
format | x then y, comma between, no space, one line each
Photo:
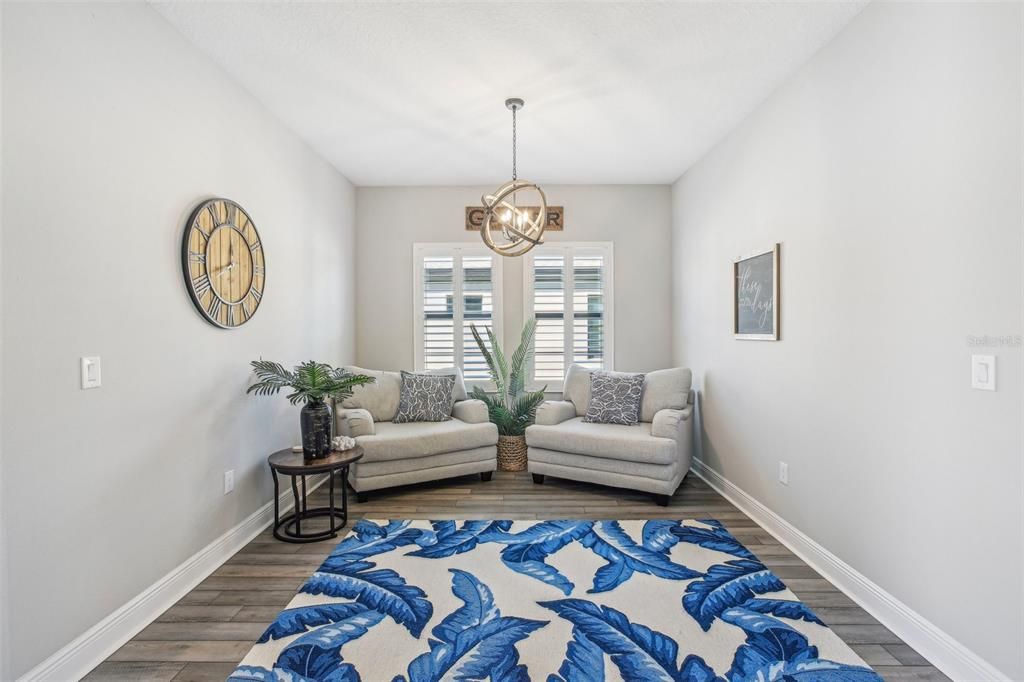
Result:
114,128
4,647
889,168
389,220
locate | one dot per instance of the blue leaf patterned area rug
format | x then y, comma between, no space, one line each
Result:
560,601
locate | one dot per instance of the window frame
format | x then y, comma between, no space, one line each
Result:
456,251
569,250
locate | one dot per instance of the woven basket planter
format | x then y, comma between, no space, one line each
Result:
511,453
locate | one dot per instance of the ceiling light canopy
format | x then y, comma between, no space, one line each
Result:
521,226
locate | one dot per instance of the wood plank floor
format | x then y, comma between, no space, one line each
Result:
204,635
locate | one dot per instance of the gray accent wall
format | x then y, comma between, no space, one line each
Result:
114,128
636,218
889,168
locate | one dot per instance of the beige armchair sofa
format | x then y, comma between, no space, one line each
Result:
653,455
399,454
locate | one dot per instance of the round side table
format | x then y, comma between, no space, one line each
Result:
289,528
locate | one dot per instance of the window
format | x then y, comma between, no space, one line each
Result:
568,289
454,288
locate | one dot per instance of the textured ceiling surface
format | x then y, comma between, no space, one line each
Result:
413,93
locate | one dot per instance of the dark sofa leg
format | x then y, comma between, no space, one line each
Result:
486,475
362,497
538,479
662,500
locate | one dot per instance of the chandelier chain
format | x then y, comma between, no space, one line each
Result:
521,226
514,142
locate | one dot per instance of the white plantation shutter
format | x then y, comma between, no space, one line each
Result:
568,290
438,319
478,308
588,311
548,295
455,288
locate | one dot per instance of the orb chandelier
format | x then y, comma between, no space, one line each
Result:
520,225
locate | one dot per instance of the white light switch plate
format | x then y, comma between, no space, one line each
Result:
783,473
983,372
91,372
229,481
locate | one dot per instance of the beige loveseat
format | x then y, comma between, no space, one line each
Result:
399,454
653,455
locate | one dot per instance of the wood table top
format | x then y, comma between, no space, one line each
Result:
289,462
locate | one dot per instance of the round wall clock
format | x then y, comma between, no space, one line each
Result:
222,260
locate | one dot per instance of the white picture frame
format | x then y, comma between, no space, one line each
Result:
755,296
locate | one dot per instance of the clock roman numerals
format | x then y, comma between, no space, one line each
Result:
213,307
256,294
255,245
232,214
196,257
258,270
239,313
201,285
213,214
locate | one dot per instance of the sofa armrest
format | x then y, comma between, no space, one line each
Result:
670,423
470,411
355,422
551,412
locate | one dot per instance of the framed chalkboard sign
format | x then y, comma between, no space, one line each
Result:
755,300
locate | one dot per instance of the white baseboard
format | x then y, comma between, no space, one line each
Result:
945,653
91,648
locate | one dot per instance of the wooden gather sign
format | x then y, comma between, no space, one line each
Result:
475,218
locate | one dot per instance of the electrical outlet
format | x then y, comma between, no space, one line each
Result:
783,473
229,481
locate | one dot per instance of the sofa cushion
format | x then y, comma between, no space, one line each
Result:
419,439
664,389
615,441
425,398
380,398
614,398
576,388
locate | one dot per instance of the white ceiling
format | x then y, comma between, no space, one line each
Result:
413,93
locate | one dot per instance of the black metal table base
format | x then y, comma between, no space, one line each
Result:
289,528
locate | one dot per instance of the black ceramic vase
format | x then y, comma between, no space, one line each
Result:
316,430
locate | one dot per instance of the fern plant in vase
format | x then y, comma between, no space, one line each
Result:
311,383
511,407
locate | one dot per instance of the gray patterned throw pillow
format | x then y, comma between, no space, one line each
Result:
614,398
425,398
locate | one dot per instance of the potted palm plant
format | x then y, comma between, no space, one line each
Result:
311,382
511,407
